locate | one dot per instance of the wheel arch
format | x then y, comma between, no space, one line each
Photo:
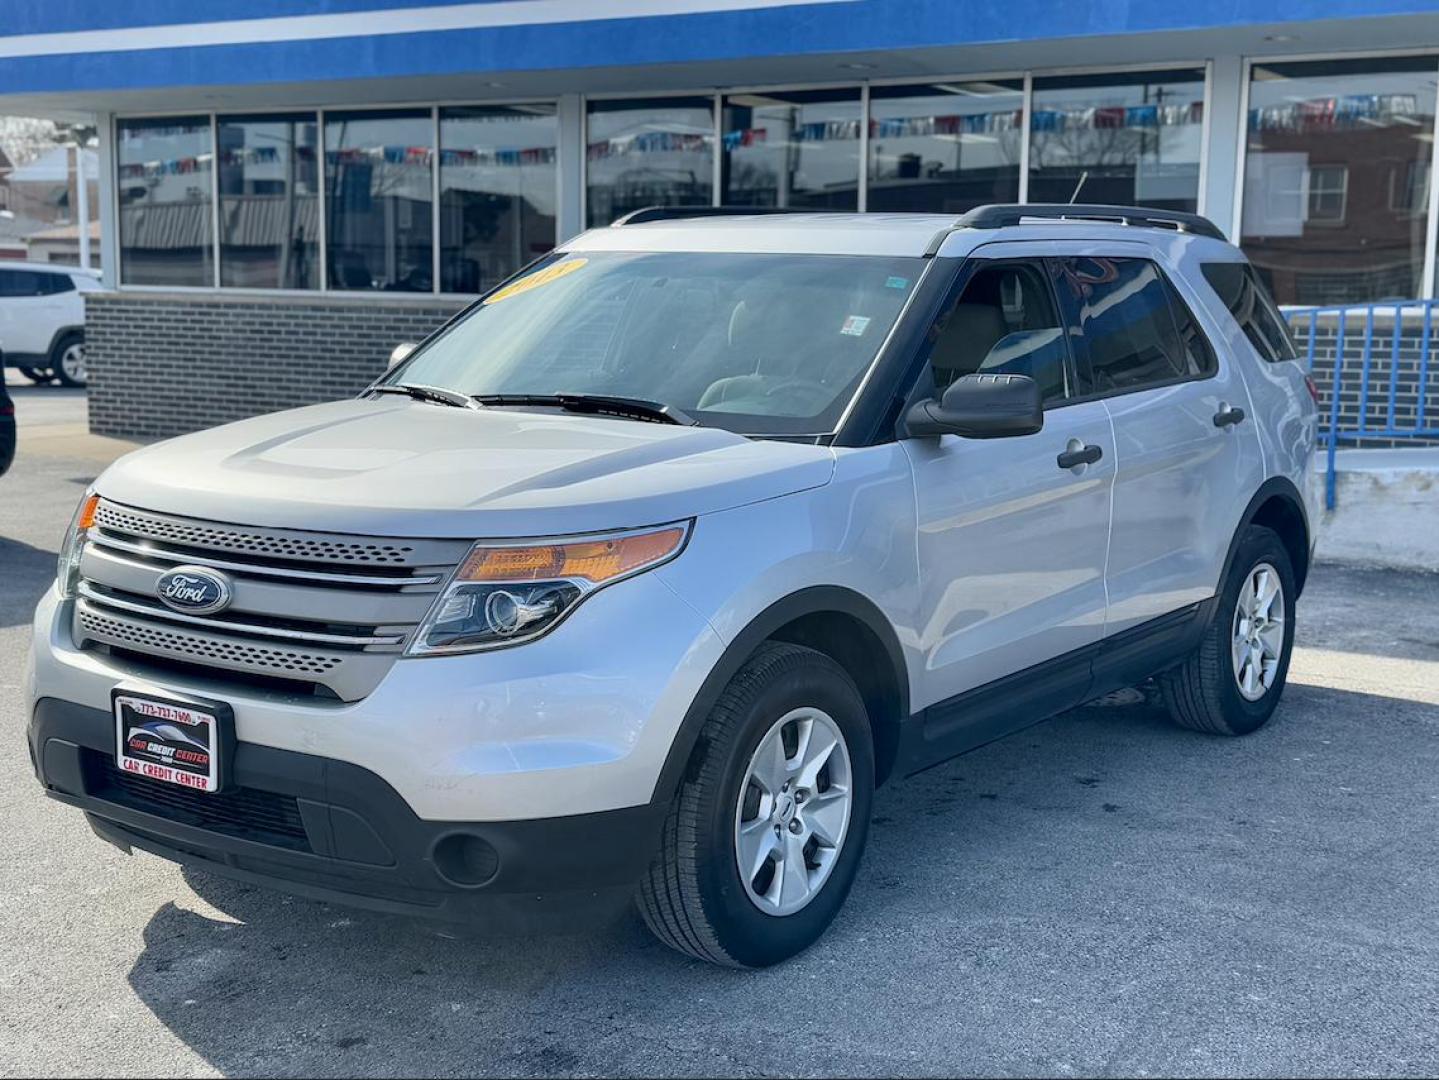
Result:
58,338
836,621
1279,506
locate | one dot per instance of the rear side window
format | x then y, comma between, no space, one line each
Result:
1249,302
57,283
1199,356
1135,332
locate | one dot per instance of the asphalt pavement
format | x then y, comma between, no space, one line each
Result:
1104,894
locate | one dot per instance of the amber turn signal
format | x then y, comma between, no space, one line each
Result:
595,561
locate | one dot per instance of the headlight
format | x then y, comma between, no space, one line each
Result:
505,593
68,570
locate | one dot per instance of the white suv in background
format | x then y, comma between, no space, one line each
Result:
42,319
635,579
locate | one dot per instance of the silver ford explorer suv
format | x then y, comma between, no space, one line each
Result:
632,582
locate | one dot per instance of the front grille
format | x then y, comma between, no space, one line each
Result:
331,611
268,543
265,817
199,647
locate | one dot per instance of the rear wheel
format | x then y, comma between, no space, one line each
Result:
37,375
765,834
1231,684
67,360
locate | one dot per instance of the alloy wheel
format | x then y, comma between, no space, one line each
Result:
794,811
72,362
1258,637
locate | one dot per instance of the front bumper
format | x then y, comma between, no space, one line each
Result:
578,722
330,830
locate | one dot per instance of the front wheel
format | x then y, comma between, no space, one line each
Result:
765,834
1231,684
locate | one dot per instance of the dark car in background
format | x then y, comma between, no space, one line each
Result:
7,428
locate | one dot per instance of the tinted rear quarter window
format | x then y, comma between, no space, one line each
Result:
1249,302
1135,332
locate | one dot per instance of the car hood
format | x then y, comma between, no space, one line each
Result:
398,467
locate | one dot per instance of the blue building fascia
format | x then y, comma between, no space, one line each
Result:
71,35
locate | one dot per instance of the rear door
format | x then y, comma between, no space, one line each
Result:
67,305
1011,541
1187,451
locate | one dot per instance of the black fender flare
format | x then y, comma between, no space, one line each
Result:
815,600
1284,488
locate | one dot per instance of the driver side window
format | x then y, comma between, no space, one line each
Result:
1004,322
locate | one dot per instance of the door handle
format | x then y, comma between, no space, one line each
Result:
1228,415
1079,455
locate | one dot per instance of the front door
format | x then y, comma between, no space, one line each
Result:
1012,531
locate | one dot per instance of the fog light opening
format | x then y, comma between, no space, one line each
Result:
465,860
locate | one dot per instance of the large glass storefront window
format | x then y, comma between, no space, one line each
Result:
167,234
1336,178
1130,138
648,152
269,185
945,147
797,149
497,192
378,200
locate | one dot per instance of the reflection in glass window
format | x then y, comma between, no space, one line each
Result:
1336,178
378,200
497,192
1243,294
755,343
269,201
791,149
945,147
1132,335
648,152
167,232
1130,138
1004,323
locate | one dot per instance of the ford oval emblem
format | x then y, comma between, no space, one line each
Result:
196,590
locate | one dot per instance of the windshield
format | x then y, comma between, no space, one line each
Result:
756,344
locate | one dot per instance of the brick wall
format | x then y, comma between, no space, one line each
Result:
169,363
1404,377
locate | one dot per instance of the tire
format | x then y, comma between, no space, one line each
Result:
38,376
695,898
1204,692
67,360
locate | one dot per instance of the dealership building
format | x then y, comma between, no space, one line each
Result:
287,195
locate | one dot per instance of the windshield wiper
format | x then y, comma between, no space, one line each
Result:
595,404
420,392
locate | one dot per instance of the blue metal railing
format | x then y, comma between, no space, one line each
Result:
1410,331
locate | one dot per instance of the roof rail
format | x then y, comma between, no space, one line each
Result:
676,213
998,215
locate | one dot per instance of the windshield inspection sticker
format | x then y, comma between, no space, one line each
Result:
855,325
897,283
538,278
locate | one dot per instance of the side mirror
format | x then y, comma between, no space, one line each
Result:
980,407
400,353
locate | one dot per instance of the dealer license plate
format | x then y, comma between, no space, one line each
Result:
168,741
